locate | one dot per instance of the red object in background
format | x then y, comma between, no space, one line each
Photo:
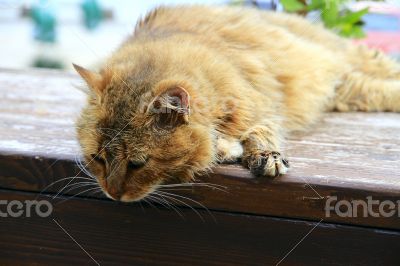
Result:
385,41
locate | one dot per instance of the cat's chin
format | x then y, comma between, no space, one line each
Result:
124,198
127,198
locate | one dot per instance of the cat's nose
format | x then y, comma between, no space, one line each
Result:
114,193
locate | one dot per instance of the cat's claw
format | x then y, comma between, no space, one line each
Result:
268,163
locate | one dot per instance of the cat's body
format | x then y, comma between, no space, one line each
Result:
198,85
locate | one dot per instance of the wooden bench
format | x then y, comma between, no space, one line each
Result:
258,221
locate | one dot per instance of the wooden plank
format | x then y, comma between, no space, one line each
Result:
350,156
124,234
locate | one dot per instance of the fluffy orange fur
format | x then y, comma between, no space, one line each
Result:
198,85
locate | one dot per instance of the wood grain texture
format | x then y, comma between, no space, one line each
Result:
350,156
121,234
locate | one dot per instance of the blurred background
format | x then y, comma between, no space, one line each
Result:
54,33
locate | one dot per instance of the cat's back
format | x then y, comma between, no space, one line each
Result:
235,26
197,18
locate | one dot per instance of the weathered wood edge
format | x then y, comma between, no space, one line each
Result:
125,234
243,195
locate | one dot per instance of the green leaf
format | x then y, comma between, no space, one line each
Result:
292,5
358,32
354,17
351,31
315,5
330,14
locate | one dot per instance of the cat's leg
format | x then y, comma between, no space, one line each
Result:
229,149
360,92
261,151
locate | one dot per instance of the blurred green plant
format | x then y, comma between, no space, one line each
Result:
45,22
93,13
44,62
334,14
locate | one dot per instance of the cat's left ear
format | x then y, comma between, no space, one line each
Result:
94,80
171,108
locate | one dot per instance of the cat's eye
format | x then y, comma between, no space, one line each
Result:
134,165
97,158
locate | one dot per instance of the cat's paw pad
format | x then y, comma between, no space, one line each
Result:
268,164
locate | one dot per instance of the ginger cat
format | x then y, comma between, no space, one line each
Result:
197,85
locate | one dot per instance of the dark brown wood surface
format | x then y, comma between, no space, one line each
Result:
126,234
350,156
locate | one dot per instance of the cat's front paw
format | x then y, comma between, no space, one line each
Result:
267,163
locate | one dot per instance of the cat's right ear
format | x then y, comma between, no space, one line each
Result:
170,108
93,80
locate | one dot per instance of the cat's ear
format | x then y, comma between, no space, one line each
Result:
94,80
171,108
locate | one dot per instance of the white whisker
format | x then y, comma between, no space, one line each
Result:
80,185
87,190
63,179
209,185
170,205
189,199
151,204
171,196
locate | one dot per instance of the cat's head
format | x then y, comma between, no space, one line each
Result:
136,134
